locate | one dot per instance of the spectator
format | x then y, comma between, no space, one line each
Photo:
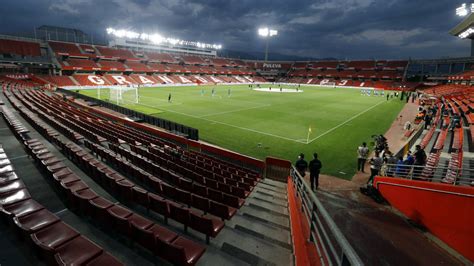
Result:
427,119
314,168
362,153
400,169
407,125
391,161
410,160
375,166
301,165
420,160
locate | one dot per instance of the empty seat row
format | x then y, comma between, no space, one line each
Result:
133,136
190,194
107,214
55,241
129,192
77,191
232,193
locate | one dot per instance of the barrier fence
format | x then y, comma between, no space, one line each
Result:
446,175
330,243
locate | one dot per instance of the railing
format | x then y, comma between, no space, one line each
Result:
330,243
176,128
440,174
411,141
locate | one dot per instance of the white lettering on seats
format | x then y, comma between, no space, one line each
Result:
96,80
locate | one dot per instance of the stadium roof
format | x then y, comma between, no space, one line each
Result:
463,26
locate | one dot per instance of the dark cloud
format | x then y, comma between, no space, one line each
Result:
317,28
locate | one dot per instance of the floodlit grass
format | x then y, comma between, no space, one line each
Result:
340,119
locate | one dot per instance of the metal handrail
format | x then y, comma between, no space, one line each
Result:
331,245
440,174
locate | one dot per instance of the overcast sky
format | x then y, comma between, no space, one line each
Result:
353,29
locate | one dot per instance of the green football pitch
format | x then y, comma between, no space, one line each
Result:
262,123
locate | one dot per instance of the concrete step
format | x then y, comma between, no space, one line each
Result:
266,231
254,250
270,193
278,190
274,183
267,206
265,216
269,199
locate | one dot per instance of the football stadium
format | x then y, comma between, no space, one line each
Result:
122,145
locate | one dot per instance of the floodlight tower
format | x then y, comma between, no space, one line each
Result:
267,33
465,29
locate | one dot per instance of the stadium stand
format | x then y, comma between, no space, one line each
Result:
79,64
137,66
56,242
90,80
62,48
88,49
221,62
193,60
21,48
114,53
359,65
107,65
59,80
161,57
110,214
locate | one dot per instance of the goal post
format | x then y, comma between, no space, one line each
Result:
124,95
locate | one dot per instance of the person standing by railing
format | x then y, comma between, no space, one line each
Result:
375,166
314,168
301,165
420,160
362,153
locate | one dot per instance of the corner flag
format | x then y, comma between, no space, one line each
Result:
309,132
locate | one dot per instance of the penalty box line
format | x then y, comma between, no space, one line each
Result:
345,122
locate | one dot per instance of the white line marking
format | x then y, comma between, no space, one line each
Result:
18,157
348,120
269,134
230,125
234,111
61,211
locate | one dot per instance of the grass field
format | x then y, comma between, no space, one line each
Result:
340,119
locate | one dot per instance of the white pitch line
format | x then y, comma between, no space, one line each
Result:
234,111
230,125
156,99
343,123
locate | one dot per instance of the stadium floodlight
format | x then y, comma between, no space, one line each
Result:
158,39
267,33
465,10
462,11
466,33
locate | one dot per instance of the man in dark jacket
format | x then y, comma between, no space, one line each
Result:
301,165
420,160
314,168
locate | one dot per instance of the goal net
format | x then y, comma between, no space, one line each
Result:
123,95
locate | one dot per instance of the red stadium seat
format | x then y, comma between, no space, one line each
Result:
78,251
51,237
33,222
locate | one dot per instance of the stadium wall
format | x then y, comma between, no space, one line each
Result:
447,211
